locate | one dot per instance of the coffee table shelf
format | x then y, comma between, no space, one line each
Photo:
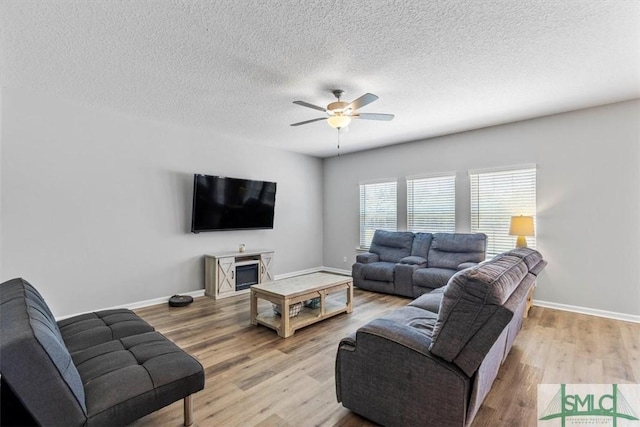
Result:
306,317
335,292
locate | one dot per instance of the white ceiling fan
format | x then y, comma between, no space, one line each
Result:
341,113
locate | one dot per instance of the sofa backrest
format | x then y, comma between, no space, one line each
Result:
448,250
533,259
391,246
34,361
478,304
421,244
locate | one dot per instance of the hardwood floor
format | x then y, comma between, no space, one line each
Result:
255,378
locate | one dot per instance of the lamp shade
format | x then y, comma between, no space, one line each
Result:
339,121
521,226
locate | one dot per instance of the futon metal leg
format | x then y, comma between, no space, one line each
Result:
188,410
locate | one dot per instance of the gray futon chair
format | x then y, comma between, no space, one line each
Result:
100,369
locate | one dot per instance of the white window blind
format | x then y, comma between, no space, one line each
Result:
431,204
495,198
378,209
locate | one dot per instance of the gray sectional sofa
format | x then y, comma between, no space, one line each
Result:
411,264
107,368
432,362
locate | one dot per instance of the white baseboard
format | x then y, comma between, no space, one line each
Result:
161,300
200,292
139,304
589,311
297,273
336,271
564,307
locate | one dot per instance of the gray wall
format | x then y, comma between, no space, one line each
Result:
588,223
1,138
96,205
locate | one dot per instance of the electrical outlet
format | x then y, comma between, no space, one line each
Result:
344,259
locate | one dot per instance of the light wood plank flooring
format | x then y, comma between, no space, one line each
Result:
255,378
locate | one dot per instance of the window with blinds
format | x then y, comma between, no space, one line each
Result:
378,209
496,196
431,204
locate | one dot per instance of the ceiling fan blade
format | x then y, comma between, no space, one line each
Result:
306,104
365,99
374,116
308,121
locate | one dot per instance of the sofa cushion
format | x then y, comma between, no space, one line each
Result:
391,246
128,378
465,265
421,244
414,260
429,301
86,330
449,250
413,317
382,271
34,360
432,277
473,301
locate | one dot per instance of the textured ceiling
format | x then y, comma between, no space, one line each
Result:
236,66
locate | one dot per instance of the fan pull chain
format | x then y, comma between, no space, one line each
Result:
338,142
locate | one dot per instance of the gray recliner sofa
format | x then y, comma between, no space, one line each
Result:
432,362
107,368
411,264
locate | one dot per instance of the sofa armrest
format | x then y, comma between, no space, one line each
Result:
390,377
413,338
367,258
466,265
536,269
414,260
348,342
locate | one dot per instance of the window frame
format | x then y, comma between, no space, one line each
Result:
504,204
366,230
451,201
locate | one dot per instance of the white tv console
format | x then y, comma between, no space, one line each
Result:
231,273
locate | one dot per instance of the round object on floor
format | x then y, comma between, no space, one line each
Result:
180,300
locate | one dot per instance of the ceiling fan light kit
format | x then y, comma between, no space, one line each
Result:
341,113
339,121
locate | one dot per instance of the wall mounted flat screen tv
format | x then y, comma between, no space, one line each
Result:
221,203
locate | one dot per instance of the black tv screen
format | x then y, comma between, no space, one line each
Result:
221,203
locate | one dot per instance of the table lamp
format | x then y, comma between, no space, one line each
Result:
521,226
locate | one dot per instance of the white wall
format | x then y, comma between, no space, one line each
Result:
96,205
588,223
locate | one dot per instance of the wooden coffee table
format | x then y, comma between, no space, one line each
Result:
287,292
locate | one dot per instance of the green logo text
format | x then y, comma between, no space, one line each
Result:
588,405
